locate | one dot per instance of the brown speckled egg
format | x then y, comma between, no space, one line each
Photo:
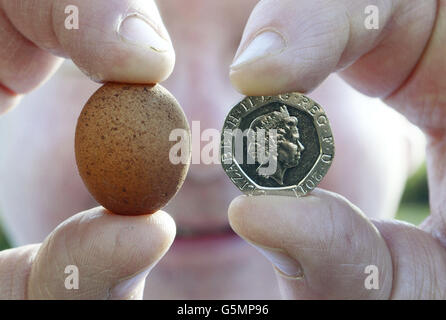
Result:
122,147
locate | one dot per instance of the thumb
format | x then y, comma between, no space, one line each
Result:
291,45
109,40
110,254
320,244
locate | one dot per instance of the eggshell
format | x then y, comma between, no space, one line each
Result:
122,147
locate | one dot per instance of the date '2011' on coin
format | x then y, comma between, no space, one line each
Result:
276,145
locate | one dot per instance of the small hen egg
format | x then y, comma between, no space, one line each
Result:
122,147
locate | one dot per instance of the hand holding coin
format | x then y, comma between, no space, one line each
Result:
321,245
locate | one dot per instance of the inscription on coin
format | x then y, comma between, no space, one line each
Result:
277,144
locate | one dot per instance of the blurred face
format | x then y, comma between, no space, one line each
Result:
205,35
40,186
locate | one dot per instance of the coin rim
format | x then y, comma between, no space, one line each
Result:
295,100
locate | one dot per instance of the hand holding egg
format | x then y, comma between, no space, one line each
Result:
122,147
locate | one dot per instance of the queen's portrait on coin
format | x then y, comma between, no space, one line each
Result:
276,144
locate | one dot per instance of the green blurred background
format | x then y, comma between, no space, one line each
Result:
414,206
4,244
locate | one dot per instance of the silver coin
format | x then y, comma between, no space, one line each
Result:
276,145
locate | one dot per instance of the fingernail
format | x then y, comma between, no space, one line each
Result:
281,260
266,43
125,288
136,29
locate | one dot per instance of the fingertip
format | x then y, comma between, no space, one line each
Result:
264,219
141,240
262,78
155,231
258,219
129,43
131,65
165,225
257,63
236,205
152,233
287,48
239,211
248,217
153,53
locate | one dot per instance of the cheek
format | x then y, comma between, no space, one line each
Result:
283,154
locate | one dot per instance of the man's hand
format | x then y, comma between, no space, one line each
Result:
321,244
117,40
